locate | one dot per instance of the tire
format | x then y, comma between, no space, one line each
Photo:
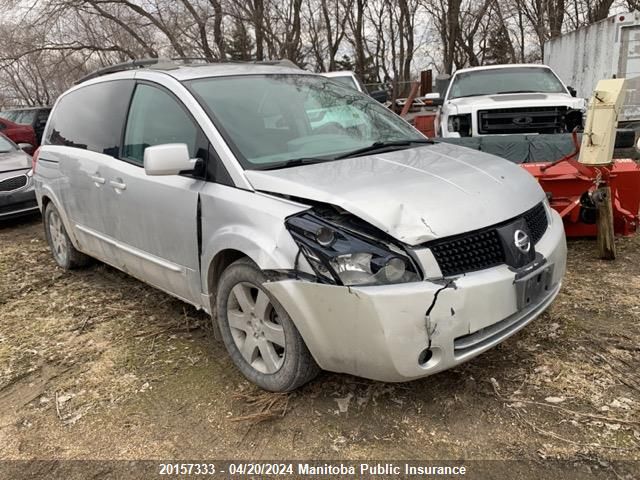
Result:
63,251
259,335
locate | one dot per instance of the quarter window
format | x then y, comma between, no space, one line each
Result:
156,118
91,117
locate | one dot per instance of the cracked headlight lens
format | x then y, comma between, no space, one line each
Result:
348,258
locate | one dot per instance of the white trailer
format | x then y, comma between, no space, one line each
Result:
606,49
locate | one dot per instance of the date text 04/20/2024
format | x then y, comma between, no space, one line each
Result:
309,469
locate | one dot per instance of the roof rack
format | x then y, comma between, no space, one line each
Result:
172,64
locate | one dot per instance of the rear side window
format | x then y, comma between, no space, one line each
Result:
156,118
92,117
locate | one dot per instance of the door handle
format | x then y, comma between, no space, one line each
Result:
97,179
118,184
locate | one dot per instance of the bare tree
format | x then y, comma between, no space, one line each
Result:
45,45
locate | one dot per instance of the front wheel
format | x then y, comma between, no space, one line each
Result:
259,335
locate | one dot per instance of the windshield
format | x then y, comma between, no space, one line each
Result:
6,145
270,119
23,117
505,80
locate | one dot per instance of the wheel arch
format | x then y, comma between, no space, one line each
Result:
267,251
217,265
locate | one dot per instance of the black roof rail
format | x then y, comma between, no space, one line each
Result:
120,67
172,64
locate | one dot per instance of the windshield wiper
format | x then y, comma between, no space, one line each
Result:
397,144
295,162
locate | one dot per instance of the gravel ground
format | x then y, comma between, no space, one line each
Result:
95,364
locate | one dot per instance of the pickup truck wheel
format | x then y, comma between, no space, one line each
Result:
258,333
64,253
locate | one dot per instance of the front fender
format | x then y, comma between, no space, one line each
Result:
249,223
267,252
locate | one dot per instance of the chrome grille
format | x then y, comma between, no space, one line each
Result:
13,183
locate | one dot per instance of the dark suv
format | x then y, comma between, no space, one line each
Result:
36,117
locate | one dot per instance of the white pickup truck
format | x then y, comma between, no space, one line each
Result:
508,99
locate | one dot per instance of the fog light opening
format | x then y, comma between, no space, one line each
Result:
425,356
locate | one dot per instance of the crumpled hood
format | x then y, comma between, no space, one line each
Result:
415,195
16,160
515,100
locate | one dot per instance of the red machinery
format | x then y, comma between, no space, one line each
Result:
571,186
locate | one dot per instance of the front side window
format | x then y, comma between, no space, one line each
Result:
91,117
156,118
505,80
269,119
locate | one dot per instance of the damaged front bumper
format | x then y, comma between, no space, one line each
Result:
407,331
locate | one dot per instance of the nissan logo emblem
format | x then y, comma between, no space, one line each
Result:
522,120
521,241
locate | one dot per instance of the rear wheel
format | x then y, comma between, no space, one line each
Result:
259,335
64,253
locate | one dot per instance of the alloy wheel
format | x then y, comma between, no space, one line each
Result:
255,328
58,237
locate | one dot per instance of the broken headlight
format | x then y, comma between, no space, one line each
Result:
345,257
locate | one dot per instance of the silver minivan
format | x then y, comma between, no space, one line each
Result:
319,230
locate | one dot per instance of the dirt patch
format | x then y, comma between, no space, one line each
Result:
94,364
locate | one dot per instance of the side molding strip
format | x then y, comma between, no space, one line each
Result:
133,251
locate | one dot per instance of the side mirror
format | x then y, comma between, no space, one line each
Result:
380,95
26,147
168,159
572,91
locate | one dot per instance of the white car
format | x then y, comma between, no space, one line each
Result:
356,245
347,78
509,99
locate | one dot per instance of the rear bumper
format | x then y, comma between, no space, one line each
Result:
382,332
